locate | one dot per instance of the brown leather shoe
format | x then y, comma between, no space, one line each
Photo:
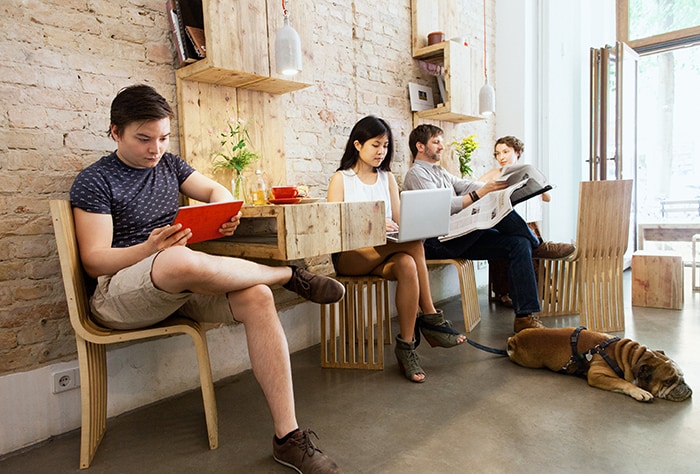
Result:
317,288
526,322
553,250
300,453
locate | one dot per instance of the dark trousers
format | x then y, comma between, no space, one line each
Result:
510,240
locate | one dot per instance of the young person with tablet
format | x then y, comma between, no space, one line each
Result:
124,205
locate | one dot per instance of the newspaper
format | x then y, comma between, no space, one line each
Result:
483,214
525,181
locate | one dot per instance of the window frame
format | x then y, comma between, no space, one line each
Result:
657,43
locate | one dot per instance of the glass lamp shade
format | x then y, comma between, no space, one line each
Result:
487,99
288,50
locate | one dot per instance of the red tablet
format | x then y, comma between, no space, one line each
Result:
205,220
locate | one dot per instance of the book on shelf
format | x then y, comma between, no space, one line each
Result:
177,34
196,36
187,22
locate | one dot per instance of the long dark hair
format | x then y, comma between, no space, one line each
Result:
367,128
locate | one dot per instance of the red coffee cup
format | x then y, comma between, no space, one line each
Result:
284,192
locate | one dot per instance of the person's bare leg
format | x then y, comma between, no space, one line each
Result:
269,354
206,274
425,301
399,267
402,268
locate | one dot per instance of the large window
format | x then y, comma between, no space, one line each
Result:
666,34
653,25
655,17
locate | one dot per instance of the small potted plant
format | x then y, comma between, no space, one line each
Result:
464,149
235,154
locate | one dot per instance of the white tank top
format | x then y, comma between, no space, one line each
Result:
356,190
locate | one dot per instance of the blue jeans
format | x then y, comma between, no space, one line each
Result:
511,240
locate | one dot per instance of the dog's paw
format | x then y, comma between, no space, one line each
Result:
640,395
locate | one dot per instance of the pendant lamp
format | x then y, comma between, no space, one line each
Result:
287,47
487,95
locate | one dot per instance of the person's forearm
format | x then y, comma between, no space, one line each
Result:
109,261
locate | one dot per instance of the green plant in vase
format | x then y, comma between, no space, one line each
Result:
235,154
464,149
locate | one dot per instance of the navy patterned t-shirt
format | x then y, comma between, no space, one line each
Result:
138,199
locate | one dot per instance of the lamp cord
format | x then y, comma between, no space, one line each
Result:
485,74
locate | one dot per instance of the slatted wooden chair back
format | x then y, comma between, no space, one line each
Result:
589,282
91,340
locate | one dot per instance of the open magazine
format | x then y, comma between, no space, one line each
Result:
525,181
535,183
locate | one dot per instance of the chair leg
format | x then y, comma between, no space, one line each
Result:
471,312
93,393
207,384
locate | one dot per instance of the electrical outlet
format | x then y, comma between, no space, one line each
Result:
480,264
65,380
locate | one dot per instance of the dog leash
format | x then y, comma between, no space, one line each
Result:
448,330
486,348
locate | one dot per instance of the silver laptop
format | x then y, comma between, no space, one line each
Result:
425,213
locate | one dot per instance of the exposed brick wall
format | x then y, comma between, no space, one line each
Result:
63,62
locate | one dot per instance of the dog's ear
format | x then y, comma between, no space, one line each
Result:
643,373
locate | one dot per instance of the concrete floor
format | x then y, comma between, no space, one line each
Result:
477,412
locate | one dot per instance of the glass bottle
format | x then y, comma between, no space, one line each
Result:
259,189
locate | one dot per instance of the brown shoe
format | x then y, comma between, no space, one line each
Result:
300,453
553,250
317,288
527,322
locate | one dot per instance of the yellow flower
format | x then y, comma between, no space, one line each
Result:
464,149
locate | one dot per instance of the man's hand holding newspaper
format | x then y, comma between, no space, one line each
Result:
525,181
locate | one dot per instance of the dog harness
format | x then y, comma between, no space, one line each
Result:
579,362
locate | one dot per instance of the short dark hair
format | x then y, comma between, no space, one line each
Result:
137,103
511,142
365,129
422,134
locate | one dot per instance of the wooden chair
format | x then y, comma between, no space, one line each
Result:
355,329
589,281
471,312
91,340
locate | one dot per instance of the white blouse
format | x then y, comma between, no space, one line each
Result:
356,190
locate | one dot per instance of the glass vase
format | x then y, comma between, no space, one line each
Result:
239,188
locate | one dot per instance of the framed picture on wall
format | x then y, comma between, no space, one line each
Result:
421,97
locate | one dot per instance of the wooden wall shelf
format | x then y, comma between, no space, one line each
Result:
461,102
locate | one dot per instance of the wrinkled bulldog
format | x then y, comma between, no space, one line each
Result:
608,362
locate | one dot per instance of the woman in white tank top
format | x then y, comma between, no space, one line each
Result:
365,175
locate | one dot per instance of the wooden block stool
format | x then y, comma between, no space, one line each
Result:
471,312
355,329
657,279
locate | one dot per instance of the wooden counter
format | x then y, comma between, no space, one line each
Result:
298,231
666,232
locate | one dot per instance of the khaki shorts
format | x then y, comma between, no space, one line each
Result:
128,300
